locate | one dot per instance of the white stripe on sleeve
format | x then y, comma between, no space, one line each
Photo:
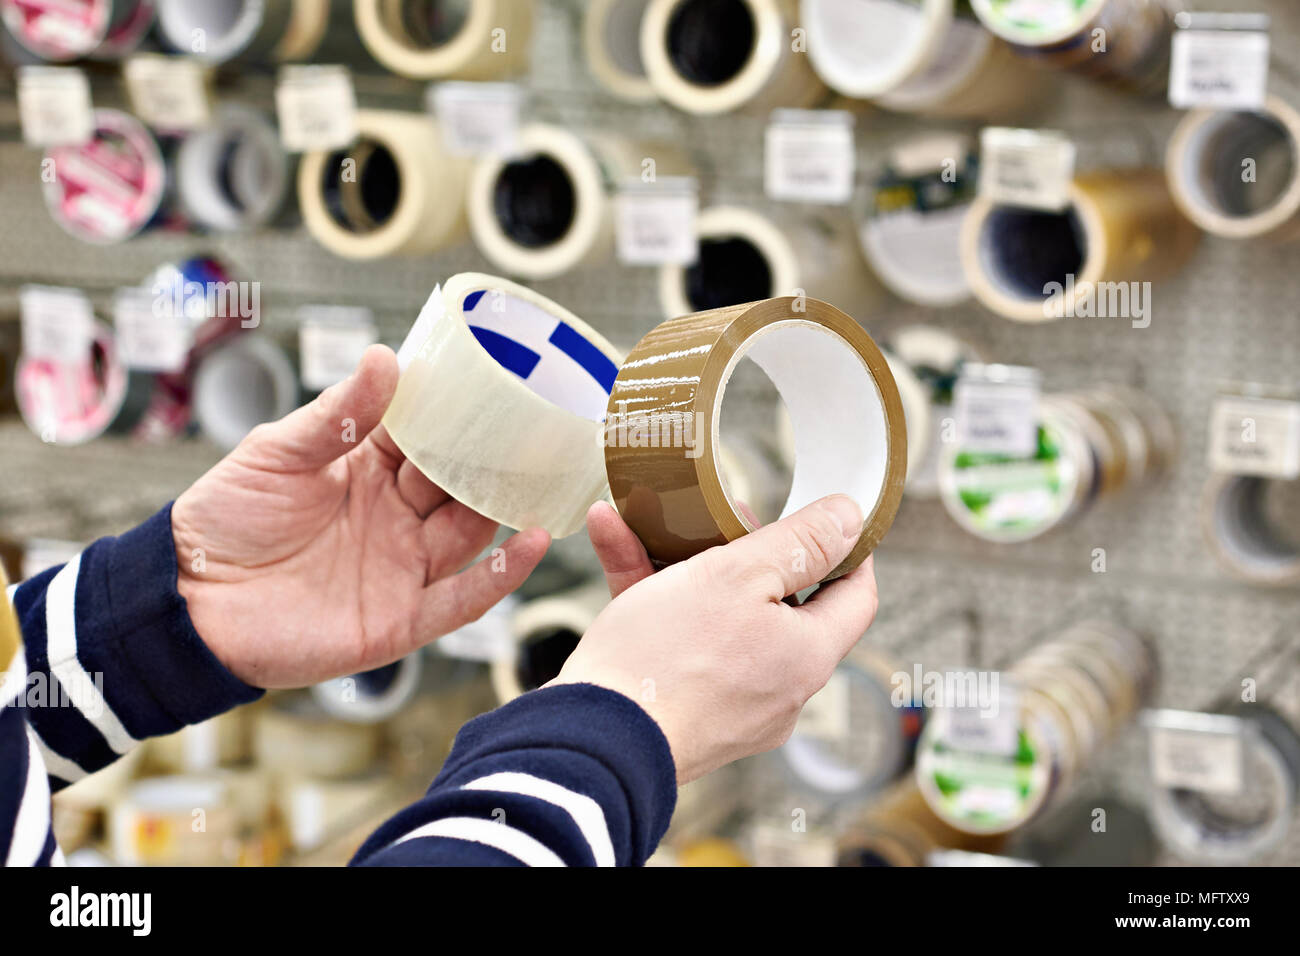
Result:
586,812
32,824
489,833
61,648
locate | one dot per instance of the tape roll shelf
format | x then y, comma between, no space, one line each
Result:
828,372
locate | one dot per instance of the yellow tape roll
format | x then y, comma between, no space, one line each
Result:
477,40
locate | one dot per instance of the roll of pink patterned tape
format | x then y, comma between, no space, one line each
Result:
58,29
72,403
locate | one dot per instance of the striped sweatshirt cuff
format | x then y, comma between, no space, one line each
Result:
568,775
112,639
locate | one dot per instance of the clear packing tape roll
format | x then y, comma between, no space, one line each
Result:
708,57
426,40
404,195
1121,228
500,403
662,440
1236,173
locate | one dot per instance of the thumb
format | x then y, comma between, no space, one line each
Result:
795,552
333,423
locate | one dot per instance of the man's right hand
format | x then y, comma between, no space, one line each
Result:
709,648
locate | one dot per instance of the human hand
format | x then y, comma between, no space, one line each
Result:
709,647
315,549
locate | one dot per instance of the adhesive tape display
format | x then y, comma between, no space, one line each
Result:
1243,826
234,174
426,40
546,631
705,56
71,404
662,427
1205,160
910,228
1120,227
524,449
611,37
57,29
157,823
128,25
547,208
745,256
221,30
405,197
240,385
1243,536
373,695
109,188
294,737
900,829
863,48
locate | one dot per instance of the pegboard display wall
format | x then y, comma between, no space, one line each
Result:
1230,315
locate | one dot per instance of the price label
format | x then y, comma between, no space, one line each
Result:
996,409
826,714
778,845
477,119
58,324
1219,61
1203,752
150,335
54,106
809,156
169,92
487,639
986,726
1255,436
1026,167
656,222
317,107
331,340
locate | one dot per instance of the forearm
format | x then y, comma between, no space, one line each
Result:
573,775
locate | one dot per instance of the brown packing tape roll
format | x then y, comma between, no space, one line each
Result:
662,426
1121,226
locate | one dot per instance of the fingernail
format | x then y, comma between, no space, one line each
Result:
846,511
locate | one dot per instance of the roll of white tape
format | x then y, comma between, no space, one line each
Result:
746,256
863,48
611,37
1243,536
427,39
546,631
221,30
372,696
501,402
396,191
1236,174
715,56
241,385
234,174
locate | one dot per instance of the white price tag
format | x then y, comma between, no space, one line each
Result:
783,846
317,107
991,726
826,714
997,413
58,323
1220,68
487,639
477,119
331,340
656,222
1026,167
1204,752
150,337
54,106
1255,436
169,92
809,156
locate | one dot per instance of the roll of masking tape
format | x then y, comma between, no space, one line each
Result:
305,30
745,256
428,40
850,435
57,30
403,196
373,695
232,175
715,56
1242,534
1120,229
546,631
1206,161
611,37
221,30
109,188
240,385
500,402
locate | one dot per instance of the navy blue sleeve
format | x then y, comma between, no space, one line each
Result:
570,775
